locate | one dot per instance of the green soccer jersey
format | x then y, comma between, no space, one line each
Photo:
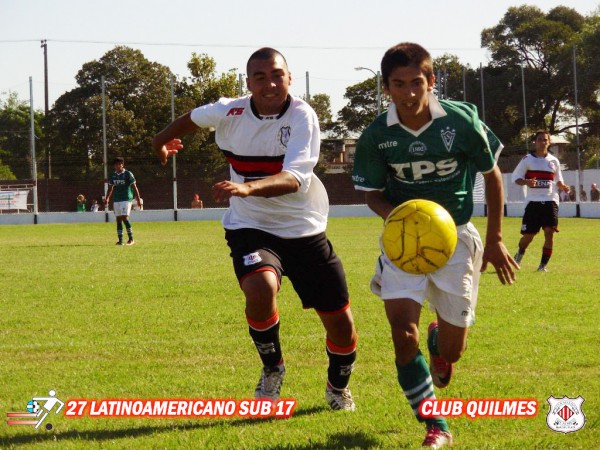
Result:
122,191
438,162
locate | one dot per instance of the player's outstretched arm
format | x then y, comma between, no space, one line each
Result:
166,143
274,186
495,252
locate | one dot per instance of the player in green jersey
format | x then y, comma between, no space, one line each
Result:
123,184
430,149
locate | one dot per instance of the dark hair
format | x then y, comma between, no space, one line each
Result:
264,54
119,160
538,132
403,55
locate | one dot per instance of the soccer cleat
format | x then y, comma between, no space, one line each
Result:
518,257
270,382
436,438
440,369
130,242
339,399
542,268
119,243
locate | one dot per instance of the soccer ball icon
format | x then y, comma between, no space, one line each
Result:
419,236
33,406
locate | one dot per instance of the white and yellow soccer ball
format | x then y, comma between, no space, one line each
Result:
419,236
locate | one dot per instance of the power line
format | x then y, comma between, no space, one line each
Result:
184,44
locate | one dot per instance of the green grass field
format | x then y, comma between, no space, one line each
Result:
165,319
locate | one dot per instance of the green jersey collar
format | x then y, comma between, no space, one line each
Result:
435,108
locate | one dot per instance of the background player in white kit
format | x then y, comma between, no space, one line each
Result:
430,149
276,221
540,172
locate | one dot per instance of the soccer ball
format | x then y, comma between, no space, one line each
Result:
33,406
419,236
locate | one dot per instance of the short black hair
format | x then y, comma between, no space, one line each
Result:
403,55
264,54
119,160
538,132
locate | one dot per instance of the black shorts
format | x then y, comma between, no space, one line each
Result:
309,262
539,215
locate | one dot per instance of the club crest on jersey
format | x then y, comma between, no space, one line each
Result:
448,137
417,148
565,414
284,135
252,258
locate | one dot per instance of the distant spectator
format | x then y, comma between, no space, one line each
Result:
196,202
94,207
572,193
564,196
81,203
582,194
594,193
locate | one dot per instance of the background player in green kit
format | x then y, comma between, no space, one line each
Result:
430,149
122,183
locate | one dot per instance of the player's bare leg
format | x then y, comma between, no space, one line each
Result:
523,244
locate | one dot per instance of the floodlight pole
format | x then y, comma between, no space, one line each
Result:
174,156
32,143
46,110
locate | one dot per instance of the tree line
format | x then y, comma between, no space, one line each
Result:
544,49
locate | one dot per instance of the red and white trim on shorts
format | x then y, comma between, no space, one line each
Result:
262,269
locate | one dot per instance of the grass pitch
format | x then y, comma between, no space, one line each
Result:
164,319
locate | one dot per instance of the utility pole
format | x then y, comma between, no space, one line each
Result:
46,109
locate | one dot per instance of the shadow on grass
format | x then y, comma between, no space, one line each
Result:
104,435
337,440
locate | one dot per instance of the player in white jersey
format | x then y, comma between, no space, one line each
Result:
540,172
276,221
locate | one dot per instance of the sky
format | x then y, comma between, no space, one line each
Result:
326,39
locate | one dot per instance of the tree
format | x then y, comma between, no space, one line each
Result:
361,109
138,105
543,44
15,132
201,156
321,103
137,96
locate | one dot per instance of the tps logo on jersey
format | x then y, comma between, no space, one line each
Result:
235,112
565,414
448,137
284,135
417,148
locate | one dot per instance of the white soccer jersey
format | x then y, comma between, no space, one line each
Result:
258,148
546,171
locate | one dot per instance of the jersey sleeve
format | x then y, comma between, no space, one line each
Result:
520,170
208,115
370,169
131,178
303,146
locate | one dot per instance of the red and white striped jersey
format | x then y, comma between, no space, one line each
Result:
257,147
546,171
